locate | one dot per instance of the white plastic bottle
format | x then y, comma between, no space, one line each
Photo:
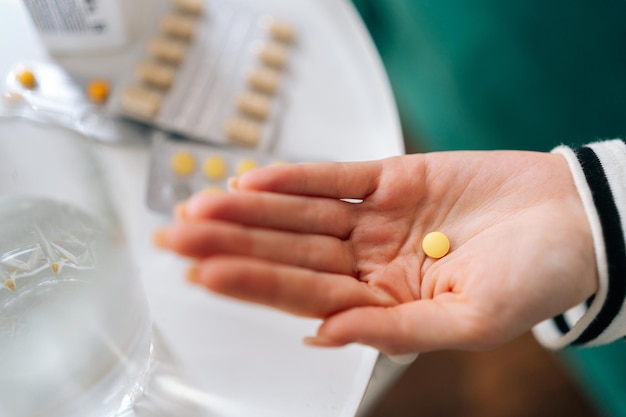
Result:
78,26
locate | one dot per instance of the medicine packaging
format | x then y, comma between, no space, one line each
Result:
181,168
214,72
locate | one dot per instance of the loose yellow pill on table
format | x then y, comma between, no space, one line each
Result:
436,245
26,78
98,91
246,165
183,163
214,167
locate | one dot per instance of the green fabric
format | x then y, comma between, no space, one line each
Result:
602,372
487,74
504,74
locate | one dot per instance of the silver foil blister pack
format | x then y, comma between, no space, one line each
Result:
181,168
215,76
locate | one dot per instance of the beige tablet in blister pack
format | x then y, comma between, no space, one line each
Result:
211,71
181,168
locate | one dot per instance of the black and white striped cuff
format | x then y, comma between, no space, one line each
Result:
599,171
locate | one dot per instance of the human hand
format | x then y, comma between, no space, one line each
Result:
521,247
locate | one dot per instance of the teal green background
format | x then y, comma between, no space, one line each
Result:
490,74
493,74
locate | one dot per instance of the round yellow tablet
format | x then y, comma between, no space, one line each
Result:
26,78
214,167
183,163
246,165
435,245
98,91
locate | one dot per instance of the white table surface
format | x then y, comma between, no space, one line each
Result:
241,359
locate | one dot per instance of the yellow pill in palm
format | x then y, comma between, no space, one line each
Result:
436,245
214,167
183,163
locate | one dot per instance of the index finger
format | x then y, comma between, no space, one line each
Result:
343,180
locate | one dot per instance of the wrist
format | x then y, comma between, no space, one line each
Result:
598,171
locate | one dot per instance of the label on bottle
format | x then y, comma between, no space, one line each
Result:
78,25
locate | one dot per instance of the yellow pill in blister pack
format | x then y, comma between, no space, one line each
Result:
436,245
274,55
183,163
179,26
26,78
155,73
264,79
282,31
246,165
189,6
215,167
170,50
141,101
243,131
98,90
254,104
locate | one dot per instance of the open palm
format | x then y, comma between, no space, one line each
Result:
342,242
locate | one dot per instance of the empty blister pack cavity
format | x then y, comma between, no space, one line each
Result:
210,71
181,168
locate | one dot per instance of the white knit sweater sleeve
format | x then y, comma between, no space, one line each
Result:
599,171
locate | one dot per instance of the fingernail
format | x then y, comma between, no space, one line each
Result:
232,184
320,341
211,190
193,275
159,238
180,211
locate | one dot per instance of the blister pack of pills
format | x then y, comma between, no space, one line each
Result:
180,168
210,71
46,92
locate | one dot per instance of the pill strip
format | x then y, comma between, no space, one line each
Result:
49,82
180,168
258,99
188,80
